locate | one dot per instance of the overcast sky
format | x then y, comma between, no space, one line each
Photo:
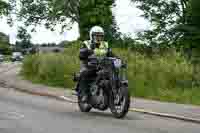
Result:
127,16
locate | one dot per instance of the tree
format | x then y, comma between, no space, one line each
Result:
65,12
96,12
4,7
166,17
193,25
24,38
190,30
4,44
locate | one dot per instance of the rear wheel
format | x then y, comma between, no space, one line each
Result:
83,106
120,102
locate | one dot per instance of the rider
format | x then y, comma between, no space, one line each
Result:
95,46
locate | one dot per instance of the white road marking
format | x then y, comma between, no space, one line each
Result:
15,115
68,99
65,98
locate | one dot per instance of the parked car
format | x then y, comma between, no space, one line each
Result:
1,58
17,56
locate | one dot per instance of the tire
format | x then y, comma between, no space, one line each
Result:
125,109
84,107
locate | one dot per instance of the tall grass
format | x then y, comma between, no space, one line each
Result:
54,69
167,77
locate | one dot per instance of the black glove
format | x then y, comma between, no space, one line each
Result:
90,52
93,46
110,53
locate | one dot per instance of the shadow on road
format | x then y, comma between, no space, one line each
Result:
102,115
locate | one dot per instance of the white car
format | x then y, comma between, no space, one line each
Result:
17,56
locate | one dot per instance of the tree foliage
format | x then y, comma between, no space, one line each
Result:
24,38
48,12
97,12
194,14
4,44
192,28
4,7
65,12
165,16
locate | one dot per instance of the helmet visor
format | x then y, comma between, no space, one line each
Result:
98,37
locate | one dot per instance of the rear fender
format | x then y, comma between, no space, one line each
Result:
76,77
124,83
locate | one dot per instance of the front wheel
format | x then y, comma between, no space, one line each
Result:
120,102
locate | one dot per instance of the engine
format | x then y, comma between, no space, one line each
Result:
98,97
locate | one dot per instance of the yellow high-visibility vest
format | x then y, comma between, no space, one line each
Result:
101,51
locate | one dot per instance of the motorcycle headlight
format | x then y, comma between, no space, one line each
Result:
117,63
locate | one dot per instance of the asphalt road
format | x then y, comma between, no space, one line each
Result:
7,66
23,113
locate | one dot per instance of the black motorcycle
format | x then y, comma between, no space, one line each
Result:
108,86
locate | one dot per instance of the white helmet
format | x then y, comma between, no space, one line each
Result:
96,30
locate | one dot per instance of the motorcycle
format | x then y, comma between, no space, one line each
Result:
108,87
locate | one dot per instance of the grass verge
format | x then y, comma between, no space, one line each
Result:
164,78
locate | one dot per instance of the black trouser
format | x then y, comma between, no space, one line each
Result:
86,76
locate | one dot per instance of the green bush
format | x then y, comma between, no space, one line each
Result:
167,77
55,69
4,49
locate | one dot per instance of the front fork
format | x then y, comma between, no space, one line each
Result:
119,81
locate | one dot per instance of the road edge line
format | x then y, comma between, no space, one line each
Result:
177,117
